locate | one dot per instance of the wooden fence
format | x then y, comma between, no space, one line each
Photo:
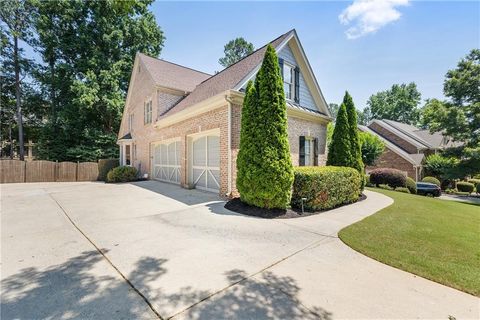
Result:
12,171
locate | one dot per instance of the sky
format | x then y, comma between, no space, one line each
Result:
360,46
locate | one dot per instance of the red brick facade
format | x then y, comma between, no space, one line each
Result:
390,159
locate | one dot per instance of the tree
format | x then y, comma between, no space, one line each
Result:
364,117
16,16
333,108
355,151
235,50
265,171
399,103
88,48
339,151
372,148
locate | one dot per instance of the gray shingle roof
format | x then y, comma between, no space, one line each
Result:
226,79
171,75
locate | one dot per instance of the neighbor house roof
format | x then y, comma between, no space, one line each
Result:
171,75
415,159
226,79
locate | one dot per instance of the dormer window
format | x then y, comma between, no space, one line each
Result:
288,80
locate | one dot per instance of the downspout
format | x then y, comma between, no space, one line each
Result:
229,153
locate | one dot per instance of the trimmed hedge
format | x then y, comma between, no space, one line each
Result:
432,180
392,177
411,185
122,174
465,187
104,166
325,187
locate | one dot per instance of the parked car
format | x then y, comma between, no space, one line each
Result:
428,189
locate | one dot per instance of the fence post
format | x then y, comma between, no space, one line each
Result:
76,171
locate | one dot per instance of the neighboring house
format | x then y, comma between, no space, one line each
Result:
182,126
406,146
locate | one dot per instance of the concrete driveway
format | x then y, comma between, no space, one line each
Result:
153,250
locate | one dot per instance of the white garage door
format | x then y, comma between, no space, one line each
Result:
206,163
166,161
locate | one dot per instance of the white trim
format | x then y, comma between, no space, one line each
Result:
177,168
229,143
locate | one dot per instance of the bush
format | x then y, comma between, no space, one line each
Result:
392,177
476,182
122,174
411,185
264,179
325,187
478,188
465,187
432,180
104,166
403,189
367,181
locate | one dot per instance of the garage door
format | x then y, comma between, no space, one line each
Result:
206,163
166,161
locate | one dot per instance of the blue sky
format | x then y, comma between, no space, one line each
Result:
411,41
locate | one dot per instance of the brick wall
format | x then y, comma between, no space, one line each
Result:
393,138
390,159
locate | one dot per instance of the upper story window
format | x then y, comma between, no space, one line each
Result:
288,80
147,118
130,122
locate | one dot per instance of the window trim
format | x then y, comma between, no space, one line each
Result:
291,84
130,122
147,111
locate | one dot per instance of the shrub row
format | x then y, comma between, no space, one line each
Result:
465,187
325,187
392,177
411,185
432,180
122,174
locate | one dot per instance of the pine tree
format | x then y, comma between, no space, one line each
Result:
339,152
355,147
265,171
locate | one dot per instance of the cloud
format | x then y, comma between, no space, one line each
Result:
368,16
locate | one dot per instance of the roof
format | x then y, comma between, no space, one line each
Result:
171,75
415,159
226,79
128,136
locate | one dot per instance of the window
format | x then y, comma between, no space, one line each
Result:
130,122
147,112
309,151
127,155
288,80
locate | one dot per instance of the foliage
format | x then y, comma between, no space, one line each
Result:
265,171
104,167
372,148
432,180
392,177
478,188
235,50
330,128
339,151
88,49
415,233
355,147
439,166
122,174
399,103
411,185
465,187
333,108
403,189
474,181
325,187
364,116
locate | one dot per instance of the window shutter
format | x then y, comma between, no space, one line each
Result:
280,64
315,152
297,85
301,152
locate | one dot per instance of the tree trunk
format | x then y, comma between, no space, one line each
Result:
52,88
17,97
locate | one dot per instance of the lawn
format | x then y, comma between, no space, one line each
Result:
436,239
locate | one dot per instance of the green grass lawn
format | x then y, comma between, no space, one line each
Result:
433,238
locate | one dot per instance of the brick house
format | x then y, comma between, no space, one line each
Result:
406,146
182,126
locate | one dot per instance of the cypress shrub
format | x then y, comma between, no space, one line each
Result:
122,174
104,166
391,177
355,147
264,165
432,180
325,187
339,151
465,187
411,185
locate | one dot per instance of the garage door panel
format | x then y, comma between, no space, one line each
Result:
166,164
206,162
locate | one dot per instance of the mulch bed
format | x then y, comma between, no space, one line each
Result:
236,205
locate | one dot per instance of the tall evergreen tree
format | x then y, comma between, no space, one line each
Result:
355,147
264,163
339,152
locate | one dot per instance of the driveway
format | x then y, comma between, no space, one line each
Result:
154,250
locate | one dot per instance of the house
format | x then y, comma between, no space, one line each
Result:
182,126
406,146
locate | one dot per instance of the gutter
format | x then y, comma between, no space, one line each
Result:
229,153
